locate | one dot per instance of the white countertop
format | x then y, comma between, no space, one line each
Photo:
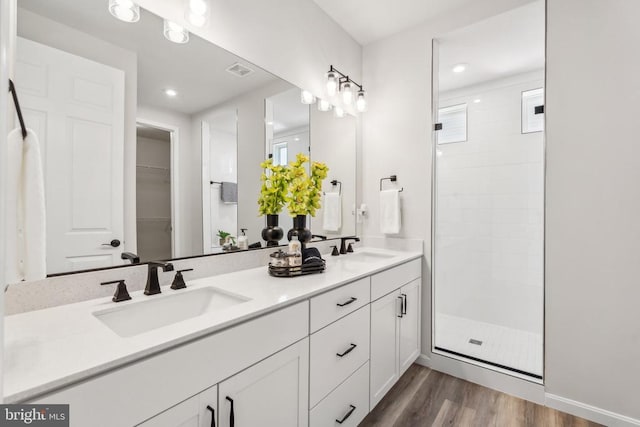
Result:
56,347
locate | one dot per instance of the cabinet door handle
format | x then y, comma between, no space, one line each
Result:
213,416
401,306
352,299
232,418
347,415
347,351
404,304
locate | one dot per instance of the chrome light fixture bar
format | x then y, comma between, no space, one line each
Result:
340,82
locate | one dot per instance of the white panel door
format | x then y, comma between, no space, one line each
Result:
76,106
410,325
384,345
274,392
197,411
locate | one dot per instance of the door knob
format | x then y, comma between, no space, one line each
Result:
114,243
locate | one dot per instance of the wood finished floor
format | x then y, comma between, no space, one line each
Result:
423,397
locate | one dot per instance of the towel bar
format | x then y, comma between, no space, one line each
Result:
392,178
334,183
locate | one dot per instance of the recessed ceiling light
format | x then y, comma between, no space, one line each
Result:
459,68
477,101
170,93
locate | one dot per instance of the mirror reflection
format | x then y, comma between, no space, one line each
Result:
152,148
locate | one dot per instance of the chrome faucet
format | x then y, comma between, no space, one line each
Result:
153,285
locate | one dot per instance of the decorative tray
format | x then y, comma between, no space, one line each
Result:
300,270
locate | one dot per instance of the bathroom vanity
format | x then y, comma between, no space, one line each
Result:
240,347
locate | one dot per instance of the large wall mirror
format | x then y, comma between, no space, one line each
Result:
153,147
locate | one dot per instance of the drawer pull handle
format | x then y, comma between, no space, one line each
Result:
352,299
347,415
404,304
213,416
401,307
232,418
347,351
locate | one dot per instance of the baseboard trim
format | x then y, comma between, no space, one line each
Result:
424,360
589,412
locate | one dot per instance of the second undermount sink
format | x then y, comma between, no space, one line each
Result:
136,318
368,256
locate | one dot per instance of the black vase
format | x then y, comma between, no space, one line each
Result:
272,233
300,229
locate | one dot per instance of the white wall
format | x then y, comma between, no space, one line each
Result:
489,210
293,39
54,34
592,211
188,235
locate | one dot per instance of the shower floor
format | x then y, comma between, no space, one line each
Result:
508,347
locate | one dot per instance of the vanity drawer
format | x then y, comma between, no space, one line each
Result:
337,351
390,280
333,305
353,393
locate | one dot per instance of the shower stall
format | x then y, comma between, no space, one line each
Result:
488,230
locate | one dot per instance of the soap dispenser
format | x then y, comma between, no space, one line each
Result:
243,242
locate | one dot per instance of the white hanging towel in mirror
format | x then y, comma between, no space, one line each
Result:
26,218
332,212
390,221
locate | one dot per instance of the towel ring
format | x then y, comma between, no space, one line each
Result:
392,178
334,183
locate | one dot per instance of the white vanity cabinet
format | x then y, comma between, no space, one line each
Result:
200,410
395,326
273,392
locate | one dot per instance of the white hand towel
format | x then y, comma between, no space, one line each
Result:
332,212
26,217
390,221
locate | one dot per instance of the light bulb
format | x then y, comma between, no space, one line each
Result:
198,12
361,102
338,112
332,83
347,92
175,32
307,97
124,10
171,93
323,105
459,68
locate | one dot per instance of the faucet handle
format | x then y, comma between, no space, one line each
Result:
350,248
178,281
121,291
335,251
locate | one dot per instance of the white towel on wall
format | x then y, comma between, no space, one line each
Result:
332,212
26,216
390,216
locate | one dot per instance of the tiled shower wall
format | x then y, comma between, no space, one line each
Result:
489,211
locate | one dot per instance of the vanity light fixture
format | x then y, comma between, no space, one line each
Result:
197,13
361,102
337,81
459,68
171,93
124,10
338,112
175,33
307,97
323,105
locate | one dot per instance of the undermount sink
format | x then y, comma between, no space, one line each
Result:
368,256
136,318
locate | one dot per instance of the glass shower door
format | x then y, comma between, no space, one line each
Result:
489,192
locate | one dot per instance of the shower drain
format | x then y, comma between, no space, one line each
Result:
476,342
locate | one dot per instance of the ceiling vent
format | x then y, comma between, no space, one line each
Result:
239,70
